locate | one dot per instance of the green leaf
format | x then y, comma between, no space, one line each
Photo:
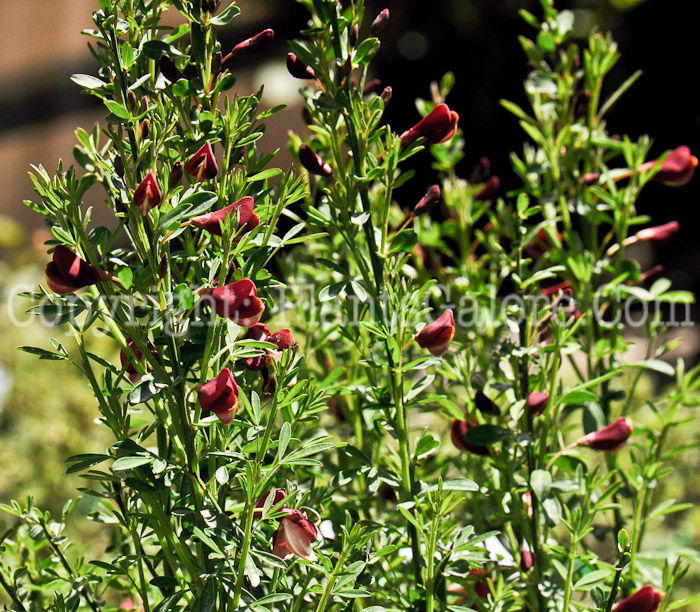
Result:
207,599
226,16
129,463
403,242
485,435
126,276
592,579
116,108
456,484
656,365
366,51
541,483
265,174
43,353
285,435
426,445
87,81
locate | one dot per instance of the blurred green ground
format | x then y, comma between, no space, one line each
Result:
47,413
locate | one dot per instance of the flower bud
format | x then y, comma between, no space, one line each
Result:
211,222
438,126
238,302
527,560
485,405
646,599
163,266
380,22
210,6
216,61
175,176
458,432
220,396
277,496
677,169
67,272
313,162
437,336
255,44
260,333
489,190
147,194
298,69
145,129
610,438
294,536
119,166
537,402
169,70
131,101
660,233
590,178
202,165
427,202
386,95
354,35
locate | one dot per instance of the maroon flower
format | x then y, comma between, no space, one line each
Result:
298,69
610,438
294,536
676,170
238,301
660,233
128,361
486,405
527,560
147,194
278,496
437,336
458,432
537,402
202,165
646,599
489,190
380,22
481,582
428,201
212,221
220,396
282,340
438,126
255,44
68,272
313,162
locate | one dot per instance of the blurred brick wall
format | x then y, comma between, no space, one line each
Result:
41,46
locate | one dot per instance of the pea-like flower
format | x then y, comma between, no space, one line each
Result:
211,222
313,162
282,339
294,536
202,165
128,361
67,272
646,599
610,438
220,396
458,433
427,202
437,126
147,194
255,44
238,302
676,170
486,405
437,336
298,69
537,402
277,496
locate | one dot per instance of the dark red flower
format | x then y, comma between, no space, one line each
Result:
489,190
486,405
438,126
128,361
481,582
527,560
298,69
610,438
255,44
458,432
646,599
294,536
437,336
537,402
220,396
212,221
313,162
428,201
380,22
169,70
67,272
676,170
277,496
202,165
238,301
147,194
282,339
660,233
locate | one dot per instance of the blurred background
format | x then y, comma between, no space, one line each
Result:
46,412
